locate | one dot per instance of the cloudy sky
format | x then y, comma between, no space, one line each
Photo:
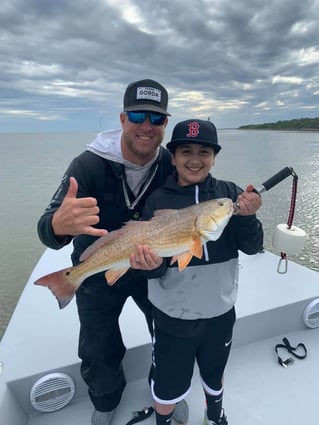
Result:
65,63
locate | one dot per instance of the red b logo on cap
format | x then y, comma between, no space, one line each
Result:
193,129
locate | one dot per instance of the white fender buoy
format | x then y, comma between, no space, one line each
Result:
288,240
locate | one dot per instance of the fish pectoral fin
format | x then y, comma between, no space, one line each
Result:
196,247
183,260
113,275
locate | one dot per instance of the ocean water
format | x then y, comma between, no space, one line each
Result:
32,164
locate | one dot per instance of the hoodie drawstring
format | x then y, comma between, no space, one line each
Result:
197,202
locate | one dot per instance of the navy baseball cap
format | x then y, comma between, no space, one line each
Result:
146,95
196,131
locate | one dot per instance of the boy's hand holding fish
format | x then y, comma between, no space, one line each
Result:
76,216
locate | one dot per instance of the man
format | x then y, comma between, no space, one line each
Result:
103,188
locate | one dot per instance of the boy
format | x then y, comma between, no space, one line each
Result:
193,310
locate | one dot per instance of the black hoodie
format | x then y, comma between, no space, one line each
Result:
208,286
100,173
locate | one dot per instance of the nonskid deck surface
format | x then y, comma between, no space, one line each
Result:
258,391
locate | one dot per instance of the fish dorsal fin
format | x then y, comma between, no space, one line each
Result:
158,213
104,240
113,275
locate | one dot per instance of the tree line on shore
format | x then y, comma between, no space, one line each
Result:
302,124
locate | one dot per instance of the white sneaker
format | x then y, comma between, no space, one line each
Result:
102,418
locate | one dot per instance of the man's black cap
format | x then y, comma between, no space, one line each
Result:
146,95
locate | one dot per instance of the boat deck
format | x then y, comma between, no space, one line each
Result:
258,391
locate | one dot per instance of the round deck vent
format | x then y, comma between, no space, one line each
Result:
311,314
52,392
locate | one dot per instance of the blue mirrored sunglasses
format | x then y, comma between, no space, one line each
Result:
139,117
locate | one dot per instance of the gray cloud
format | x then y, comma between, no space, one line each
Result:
65,64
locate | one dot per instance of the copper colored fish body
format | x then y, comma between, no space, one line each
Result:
170,233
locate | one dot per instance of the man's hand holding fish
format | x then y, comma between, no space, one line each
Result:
145,259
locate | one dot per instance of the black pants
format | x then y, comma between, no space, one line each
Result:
101,347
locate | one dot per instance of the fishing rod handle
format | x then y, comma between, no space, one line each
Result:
274,180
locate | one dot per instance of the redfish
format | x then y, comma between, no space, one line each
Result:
170,233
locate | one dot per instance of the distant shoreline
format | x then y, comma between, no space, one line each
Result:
302,124
301,130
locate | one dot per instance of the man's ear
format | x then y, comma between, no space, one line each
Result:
122,118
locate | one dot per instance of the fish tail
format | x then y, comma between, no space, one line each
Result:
61,285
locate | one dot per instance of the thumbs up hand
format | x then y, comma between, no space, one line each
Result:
76,216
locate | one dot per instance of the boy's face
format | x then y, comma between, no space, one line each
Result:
193,163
